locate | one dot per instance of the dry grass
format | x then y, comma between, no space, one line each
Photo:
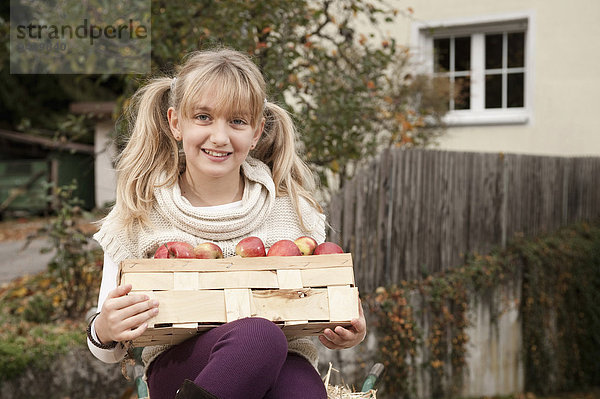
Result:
344,392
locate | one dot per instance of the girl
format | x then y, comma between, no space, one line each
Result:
237,175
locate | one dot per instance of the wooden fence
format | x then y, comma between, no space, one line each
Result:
410,213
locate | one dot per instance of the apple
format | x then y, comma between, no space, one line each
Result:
284,248
306,245
175,249
250,247
328,248
208,250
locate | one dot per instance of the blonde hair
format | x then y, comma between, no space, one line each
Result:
152,158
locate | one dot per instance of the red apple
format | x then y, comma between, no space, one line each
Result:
284,248
306,245
328,248
208,250
175,249
250,247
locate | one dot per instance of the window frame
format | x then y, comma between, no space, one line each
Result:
422,37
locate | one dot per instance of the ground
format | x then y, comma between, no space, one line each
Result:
20,229
15,260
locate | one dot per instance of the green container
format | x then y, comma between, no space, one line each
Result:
15,174
78,168
59,168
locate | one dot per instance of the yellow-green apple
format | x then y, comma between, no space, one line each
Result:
175,249
284,248
328,248
250,247
208,250
306,245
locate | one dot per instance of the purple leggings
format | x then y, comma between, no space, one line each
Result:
246,358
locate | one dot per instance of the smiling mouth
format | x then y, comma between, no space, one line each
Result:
216,153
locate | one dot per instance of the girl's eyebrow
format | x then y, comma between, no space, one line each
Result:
202,108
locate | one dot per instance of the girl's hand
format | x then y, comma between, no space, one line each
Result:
123,317
342,338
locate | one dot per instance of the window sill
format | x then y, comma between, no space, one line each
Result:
489,117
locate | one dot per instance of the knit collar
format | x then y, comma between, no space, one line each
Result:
257,202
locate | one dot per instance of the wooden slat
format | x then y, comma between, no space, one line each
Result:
309,328
148,281
188,306
281,305
172,336
276,305
237,263
184,328
343,303
237,303
236,279
288,279
327,277
185,281
245,279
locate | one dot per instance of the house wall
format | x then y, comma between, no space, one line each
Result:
565,102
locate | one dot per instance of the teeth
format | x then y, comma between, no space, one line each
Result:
216,154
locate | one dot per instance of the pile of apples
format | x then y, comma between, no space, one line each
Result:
249,247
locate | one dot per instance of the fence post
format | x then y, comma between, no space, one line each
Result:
504,211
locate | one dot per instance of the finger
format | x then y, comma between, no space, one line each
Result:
137,319
327,343
120,291
125,301
119,320
136,308
132,334
335,338
133,315
359,325
344,334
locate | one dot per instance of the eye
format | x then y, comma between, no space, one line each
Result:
238,121
202,117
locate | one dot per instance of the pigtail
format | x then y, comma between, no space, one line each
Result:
151,150
277,149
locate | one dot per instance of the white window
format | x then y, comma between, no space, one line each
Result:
487,63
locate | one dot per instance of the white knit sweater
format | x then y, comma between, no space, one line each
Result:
173,218
261,214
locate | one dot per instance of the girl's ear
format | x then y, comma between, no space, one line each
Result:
174,123
258,132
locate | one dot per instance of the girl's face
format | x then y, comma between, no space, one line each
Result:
215,142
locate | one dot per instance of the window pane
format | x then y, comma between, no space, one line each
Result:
493,51
462,92
441,85
493,91
462,53
516,50
516,90
441,55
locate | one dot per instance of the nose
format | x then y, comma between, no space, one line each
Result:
219,135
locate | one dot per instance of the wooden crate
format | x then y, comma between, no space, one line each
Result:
303,294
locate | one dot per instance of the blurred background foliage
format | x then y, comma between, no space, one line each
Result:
352,91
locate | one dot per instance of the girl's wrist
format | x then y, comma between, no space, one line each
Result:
97,325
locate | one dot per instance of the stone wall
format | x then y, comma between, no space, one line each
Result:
76,374
494,364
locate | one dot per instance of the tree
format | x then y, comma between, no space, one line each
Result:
39,103
350,90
